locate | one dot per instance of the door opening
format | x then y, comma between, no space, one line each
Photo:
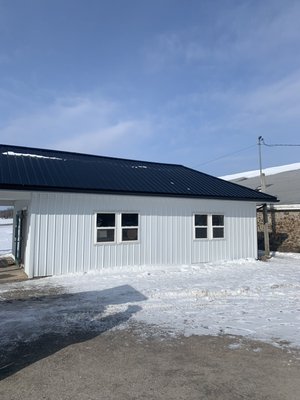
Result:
19,237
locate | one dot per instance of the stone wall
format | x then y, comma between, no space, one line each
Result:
284,230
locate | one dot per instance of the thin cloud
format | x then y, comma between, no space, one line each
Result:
107,140
237,34
76,124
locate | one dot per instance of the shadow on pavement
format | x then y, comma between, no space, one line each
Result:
34,325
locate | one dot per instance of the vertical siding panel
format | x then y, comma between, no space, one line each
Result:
186,235
89,243
38,259
153,228
73,234
79,241
70,245
83,241
53,228
38,269
45,236
29,251
174,236
64,225
149,239
61,235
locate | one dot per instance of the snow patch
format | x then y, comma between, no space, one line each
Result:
12,153
234,346
6,232
266,171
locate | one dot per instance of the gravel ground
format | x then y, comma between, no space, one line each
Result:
127,364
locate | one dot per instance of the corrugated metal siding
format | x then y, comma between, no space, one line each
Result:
62,232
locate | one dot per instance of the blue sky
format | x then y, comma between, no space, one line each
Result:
171,81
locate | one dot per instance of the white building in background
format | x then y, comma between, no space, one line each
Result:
77,212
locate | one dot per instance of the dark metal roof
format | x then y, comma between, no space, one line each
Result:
23,168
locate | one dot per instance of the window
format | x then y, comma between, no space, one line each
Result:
218,226
106,226
200,226
209,226
117,227
129,226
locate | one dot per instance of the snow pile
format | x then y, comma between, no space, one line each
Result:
6,231
258,300
266,171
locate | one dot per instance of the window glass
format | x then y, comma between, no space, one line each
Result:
130,219
218,232
201,220
105,220
129,234
201,233
218,220
105,235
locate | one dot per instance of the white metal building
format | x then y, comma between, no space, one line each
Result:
76,212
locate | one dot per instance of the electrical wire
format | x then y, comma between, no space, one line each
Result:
246,148
279,145
227,155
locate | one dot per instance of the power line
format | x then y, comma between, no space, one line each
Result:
227,155
278,145
246,148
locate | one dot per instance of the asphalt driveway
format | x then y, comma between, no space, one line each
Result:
126,364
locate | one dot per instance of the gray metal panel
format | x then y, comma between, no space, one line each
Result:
284,185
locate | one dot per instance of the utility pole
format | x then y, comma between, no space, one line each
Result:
262,180
265,210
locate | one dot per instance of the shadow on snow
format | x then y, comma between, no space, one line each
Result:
34,325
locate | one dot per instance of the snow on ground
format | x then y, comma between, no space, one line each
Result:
254,299
266,171
5,236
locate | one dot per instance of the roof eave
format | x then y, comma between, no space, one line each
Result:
40,188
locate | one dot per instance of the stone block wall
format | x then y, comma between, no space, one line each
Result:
284,230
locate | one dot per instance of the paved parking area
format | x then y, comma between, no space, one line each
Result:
125,365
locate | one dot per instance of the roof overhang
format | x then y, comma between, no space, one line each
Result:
17,192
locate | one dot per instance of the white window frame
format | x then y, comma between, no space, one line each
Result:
118,228
217,226
129,227
106,227
201,226
209,226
